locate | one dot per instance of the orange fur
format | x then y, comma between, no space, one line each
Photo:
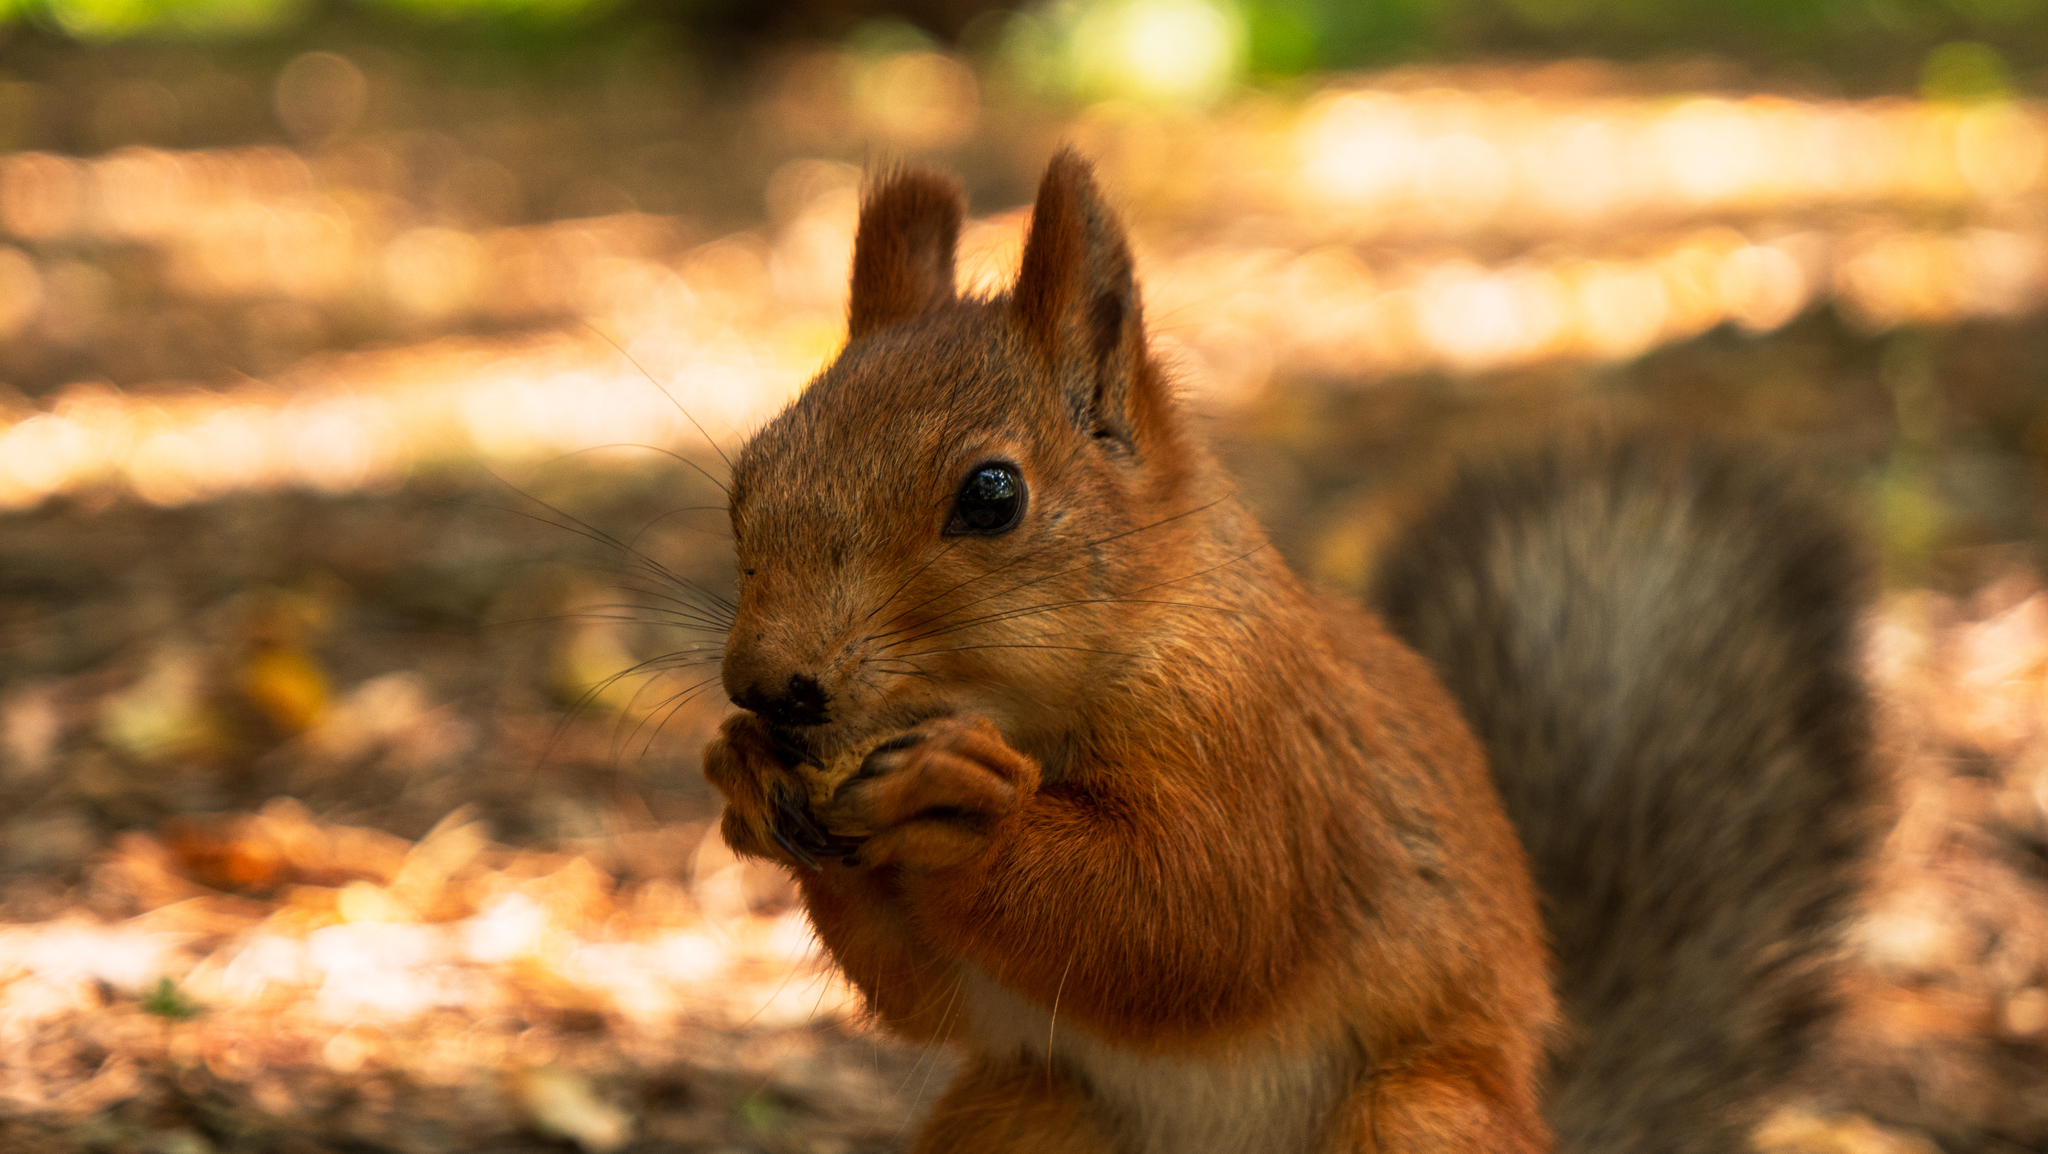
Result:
1184,854
1011,1109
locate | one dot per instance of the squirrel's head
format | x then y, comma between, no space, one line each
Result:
982,502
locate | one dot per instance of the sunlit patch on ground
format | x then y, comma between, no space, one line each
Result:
1360,232
282,960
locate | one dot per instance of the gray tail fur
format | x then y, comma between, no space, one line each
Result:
1658,642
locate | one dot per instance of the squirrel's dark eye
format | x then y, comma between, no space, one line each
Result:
991,501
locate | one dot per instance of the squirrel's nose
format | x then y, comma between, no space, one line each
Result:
797,701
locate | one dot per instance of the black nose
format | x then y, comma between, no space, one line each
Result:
798,701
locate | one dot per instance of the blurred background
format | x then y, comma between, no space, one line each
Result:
364,367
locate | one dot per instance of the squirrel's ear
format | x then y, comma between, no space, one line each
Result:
903,253
1077,300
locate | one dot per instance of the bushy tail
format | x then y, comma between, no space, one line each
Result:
1658,644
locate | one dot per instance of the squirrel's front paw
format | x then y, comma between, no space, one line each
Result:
934,797
767,812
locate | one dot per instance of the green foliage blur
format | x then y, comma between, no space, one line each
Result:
1288,37
166,1000
1961,49
103,20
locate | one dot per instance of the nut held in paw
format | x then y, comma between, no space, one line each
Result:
821,783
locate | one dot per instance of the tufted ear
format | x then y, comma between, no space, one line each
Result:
903,252
1077,301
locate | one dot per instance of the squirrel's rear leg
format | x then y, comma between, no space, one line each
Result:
1004,1107
935,797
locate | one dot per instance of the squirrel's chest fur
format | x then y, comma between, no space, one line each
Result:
1251,1099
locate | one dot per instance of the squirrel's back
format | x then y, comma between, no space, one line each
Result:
1657,642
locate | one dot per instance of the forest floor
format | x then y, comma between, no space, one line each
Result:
326,824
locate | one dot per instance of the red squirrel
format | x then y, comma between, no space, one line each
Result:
1186,855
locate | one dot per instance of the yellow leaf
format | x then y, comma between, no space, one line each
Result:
285,684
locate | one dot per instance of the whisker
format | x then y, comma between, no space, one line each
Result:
634,542
682,699
673,602
630,708
569,521
671,400
652,664
662,575
712,605
939,1033
1053,1025
641,606
577,707
669,453
578,527
671,619
592,533
688,617
655,667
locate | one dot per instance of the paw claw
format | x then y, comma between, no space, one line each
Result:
842,847
797,831
791,848
787,750
872,764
